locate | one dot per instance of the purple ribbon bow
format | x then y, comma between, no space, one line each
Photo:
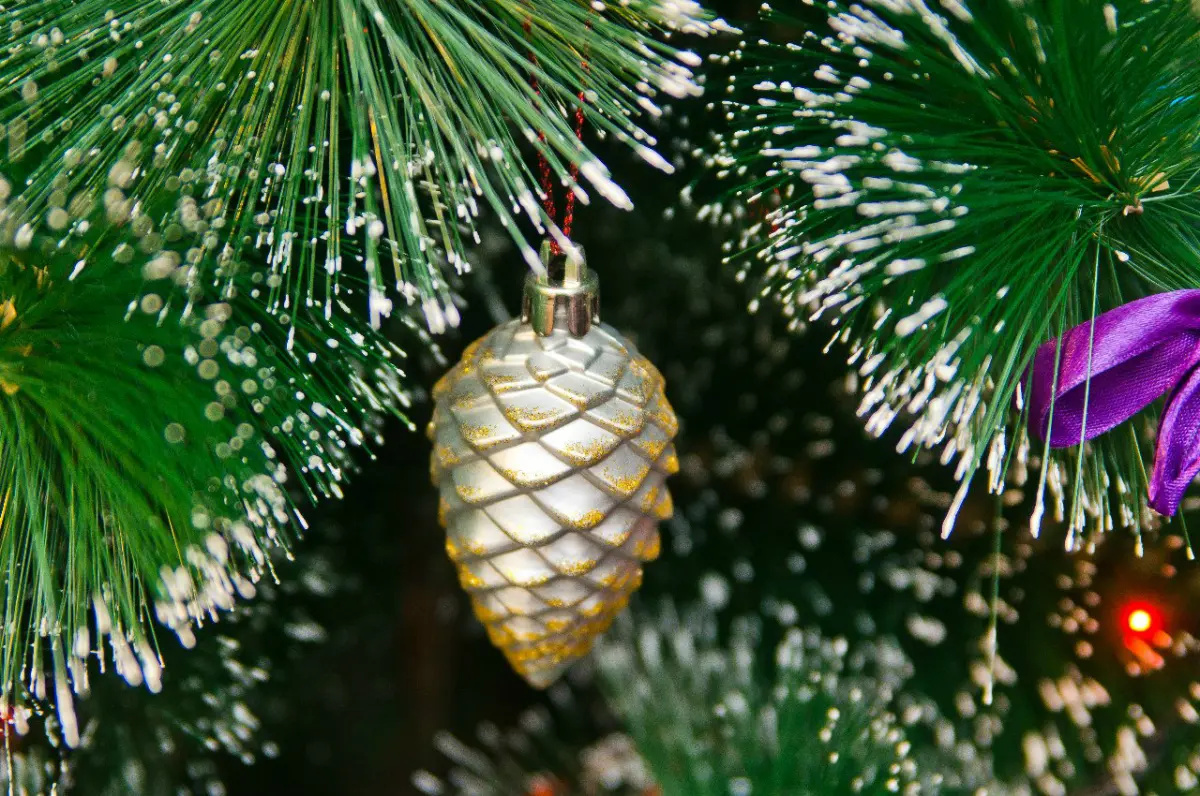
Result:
1139,351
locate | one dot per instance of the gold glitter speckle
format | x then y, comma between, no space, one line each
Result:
588,521
576,568
665,506
475,434
586,454
467,491
626,484
526,416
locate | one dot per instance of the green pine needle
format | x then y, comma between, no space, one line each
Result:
325,132
953,187
148,453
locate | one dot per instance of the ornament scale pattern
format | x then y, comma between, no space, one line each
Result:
550,454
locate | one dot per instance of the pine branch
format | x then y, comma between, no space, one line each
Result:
149,450
953,188
325,132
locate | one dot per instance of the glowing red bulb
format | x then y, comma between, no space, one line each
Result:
1139,620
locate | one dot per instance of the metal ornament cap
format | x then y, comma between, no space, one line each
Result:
566,293
550,454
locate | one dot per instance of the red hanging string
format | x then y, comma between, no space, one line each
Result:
545,174
569,212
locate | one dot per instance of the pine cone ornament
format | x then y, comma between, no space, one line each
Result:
551,445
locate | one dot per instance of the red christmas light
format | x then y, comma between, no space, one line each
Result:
542,785
1141,618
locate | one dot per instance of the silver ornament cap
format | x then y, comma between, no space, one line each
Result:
565,293
552,442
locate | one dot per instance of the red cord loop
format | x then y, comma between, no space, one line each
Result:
545,174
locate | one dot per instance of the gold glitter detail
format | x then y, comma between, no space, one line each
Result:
641,367
588,521
671,464
485,614
626,485
575,399
607,579
530,581
475,548
497,382
665,506
606,611
467,491
499,636
473,434
534,657
652,447
469,580
620,582
618,347
596,609
525,417
445,455
641,391
664,417
586,454
630,420
520,636
648,500
452,551
464,400
558,625
470,351
576,568
648,548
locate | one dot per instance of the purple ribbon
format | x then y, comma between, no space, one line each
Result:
1139,351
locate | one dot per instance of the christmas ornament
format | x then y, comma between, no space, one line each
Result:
551,445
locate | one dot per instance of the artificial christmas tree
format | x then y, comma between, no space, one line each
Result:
201,202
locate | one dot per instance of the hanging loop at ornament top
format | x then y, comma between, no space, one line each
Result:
566,294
